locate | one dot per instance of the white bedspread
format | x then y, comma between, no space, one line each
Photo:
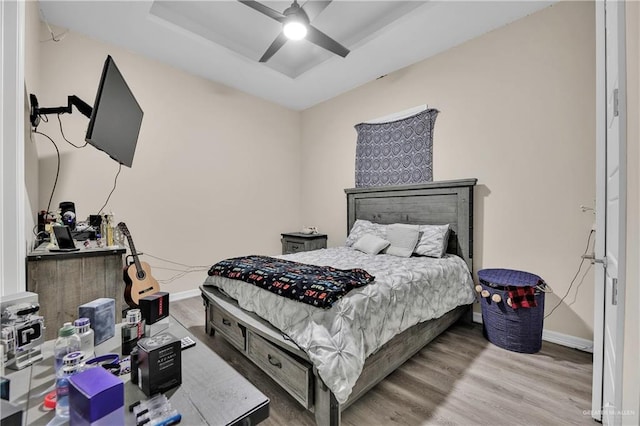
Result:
406,291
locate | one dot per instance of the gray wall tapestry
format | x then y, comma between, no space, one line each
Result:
396,153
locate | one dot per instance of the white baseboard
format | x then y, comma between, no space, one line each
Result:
555,337
184,295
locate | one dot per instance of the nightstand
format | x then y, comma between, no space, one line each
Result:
294,242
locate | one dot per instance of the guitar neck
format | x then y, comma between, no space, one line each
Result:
139,271
134,254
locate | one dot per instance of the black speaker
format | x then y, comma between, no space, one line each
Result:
95,220
68,213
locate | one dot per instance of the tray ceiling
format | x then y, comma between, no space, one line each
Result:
223,40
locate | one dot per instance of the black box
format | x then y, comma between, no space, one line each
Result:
4,388
11,414
159,363
154,307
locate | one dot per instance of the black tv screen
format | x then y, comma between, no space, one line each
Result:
116,117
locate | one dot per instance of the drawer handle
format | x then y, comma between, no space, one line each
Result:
274,361
226,322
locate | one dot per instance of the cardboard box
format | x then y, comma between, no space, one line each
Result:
96,398
102,314
159,363
154,307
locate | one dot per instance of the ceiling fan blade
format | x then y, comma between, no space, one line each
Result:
265,10
313,8
275,46
316,36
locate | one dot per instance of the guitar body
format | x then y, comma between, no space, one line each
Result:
137,275
139,285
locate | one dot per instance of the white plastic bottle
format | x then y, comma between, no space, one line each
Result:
85,332
68,341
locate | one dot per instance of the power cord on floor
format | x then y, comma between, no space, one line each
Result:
575,276
181,272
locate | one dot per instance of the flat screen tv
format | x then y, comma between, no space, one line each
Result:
116,117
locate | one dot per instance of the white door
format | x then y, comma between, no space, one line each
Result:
610,221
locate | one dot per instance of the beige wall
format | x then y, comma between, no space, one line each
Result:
631,375
214,174
517,112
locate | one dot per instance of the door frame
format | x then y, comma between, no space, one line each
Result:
597,408
12,184
599,246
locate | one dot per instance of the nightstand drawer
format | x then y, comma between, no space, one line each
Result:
294,247
295,242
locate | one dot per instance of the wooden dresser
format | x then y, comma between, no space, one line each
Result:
65,280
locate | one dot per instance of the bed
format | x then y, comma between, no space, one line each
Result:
321,358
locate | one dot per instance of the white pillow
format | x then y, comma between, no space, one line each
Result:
371,244
361,227
433,240
403,239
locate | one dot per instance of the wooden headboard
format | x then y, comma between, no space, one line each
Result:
434,203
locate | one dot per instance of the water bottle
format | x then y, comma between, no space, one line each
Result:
84,331
68,341
71,365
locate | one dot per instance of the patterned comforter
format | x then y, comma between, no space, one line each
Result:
315,285
406,291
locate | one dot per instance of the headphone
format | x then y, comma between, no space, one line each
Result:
109,362
68,213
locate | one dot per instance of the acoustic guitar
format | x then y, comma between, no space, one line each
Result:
137,276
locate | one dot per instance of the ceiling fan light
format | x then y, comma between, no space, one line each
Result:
295,30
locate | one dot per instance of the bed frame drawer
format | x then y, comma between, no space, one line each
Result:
226,324
293,374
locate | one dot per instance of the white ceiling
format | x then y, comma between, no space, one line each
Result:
222,40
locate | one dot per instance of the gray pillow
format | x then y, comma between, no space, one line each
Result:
403,239
371,244
361,227
433,240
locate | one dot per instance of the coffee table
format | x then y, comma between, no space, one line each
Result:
212,392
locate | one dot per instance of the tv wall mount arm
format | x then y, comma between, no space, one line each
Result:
72,100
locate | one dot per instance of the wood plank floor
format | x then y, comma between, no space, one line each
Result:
459,379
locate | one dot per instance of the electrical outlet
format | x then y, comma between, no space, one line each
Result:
593,227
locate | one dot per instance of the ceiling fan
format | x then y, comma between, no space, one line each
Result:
296,25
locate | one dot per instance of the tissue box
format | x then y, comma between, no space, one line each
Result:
102,314
96,397
159,363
